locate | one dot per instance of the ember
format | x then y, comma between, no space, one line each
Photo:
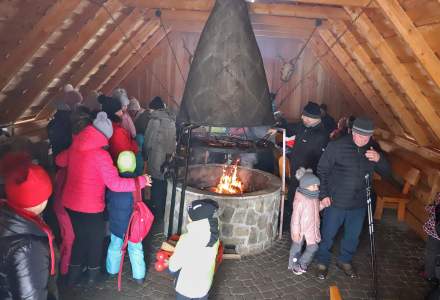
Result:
229,182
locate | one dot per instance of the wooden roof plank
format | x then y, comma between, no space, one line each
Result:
361,81
411,35
380,83
398,71
128,24
135,60
320,49
58,63
277,9
123,54
54,17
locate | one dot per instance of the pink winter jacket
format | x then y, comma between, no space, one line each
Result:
89,170
305,218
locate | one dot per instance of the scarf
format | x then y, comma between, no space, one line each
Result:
307,193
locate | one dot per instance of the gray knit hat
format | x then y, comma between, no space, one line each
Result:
306,178
103,124
363,126
134,104
121,95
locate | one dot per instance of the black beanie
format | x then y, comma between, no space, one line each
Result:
202,209
363,126
110,105
312,110
156,103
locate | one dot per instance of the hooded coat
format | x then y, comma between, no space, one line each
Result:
160,140
90,170
194,261
121,140
24,258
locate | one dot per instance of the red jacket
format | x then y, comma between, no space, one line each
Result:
89,170
121,140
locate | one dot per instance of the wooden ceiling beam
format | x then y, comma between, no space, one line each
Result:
374,75
320,50
278,9
115,62
412,37
399,72
32,41
361,81
134,61
354,3
129,23
15,107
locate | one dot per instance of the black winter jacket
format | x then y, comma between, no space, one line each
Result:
342,169
24,258
59,131
310,143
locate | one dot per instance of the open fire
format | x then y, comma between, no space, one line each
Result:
229,183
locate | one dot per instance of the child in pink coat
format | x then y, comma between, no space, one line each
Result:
304,225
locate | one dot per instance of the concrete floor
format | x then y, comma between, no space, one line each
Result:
265,276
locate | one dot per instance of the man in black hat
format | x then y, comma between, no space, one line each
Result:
342,170
311,138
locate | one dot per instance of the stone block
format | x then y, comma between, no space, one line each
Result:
253,236
262,236
241,231
227,230
239,216
251,218
262,221
227,214
259,205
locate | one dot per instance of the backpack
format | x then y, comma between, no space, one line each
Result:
138,227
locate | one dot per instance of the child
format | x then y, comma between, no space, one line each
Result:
120,207
26,249
193,260
433,241
304,224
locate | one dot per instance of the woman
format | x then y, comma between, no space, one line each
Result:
90,170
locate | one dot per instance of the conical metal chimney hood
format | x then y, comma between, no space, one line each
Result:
227,85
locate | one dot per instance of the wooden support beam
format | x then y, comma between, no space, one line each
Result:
279,9
129,24
361,81
399,72
379,82
413,38
32,41
123,55
354,3
134,61
320,50
16,106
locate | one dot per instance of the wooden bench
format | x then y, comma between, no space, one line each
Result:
390,196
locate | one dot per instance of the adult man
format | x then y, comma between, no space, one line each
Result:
342,170
311,138
160,142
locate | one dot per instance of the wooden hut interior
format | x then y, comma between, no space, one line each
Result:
375,58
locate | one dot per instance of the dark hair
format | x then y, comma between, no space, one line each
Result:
80,119
114,118
350,121
323,106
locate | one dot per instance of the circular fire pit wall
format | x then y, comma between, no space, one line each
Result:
249,220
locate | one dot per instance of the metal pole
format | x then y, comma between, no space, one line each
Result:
283,185
182,194
372,241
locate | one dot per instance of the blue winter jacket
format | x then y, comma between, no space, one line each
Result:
120,207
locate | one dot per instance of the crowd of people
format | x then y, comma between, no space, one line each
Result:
105,152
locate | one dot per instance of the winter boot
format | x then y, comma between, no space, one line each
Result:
322,271
74,275
348,269
95,276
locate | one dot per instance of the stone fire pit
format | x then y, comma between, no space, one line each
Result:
248,221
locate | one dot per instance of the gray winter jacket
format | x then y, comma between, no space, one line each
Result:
160,140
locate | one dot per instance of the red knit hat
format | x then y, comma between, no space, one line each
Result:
26,184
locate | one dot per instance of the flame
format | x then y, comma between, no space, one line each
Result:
229,182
